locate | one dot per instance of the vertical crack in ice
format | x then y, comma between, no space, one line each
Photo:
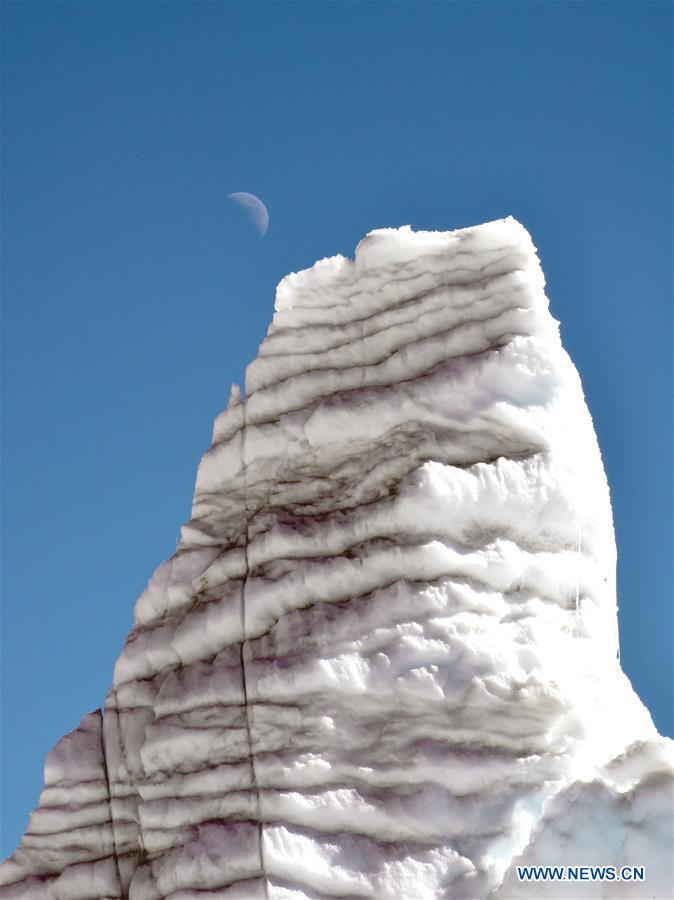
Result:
140,851
106,773
242,656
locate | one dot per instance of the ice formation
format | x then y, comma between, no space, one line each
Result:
383,660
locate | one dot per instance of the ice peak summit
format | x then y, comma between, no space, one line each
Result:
383,659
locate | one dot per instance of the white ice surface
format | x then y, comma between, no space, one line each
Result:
383,661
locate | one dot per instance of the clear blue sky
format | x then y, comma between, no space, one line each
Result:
134,293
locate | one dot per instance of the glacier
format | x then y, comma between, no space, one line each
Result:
383,661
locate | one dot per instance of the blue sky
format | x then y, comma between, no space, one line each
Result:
134,293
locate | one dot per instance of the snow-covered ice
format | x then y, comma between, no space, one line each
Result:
383,660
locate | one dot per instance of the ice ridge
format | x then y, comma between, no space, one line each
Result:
383,660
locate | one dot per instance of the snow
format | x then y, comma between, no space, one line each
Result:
383,660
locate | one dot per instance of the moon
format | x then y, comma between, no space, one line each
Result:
254,209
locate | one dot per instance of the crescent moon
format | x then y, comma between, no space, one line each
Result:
254,209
